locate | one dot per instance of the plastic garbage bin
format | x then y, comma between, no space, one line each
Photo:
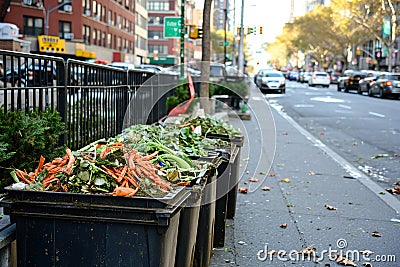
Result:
237,141
189,219
205,228
67,229
222,190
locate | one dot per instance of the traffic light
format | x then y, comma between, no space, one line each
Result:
193,32
378,55
261,29
358,51
251,30
199,33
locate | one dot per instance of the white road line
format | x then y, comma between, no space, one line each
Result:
377,114
389,199
344,106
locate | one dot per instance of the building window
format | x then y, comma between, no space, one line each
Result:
156,20
119,22
98,37
155,35
158,49
33,26
110,17
86,34
94,34
119,48
65,30
103,14
86,7
35,3
109,40
157,6
103,37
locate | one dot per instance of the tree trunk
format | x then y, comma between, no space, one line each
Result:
205,66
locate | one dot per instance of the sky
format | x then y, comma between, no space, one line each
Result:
270,14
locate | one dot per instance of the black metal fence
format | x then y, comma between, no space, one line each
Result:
95,101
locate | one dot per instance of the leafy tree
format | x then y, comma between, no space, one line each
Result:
378,19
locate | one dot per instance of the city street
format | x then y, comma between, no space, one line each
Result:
363,130
315,199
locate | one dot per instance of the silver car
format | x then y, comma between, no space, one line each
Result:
271,81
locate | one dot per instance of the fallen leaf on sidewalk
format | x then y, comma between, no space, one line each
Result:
394,191
380,156
243,190
283,225
366,252
253,179
376,234
266,188
341,260
329,207
286,180
310,250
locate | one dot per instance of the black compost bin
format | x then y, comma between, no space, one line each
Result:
237,141
188,223
189,218
205,228
67,229
223,176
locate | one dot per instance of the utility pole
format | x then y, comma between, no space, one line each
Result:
225,19
48,11
182,52
241,56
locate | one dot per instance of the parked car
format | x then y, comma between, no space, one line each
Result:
122,65
293,75
271,80
365,83
11,78
386,84
217,72
151,68
350,80
319,78
335,77
304,77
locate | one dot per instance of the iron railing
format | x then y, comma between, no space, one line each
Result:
94,101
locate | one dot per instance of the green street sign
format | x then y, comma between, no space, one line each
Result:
172,27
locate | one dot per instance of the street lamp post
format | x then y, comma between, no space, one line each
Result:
225,19
48,11
241,56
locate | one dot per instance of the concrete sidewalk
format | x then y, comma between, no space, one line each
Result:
321,199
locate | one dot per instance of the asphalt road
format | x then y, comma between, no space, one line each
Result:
310,193
363,130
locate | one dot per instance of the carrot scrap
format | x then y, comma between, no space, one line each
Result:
39,167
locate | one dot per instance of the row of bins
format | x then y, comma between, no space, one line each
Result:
180,229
